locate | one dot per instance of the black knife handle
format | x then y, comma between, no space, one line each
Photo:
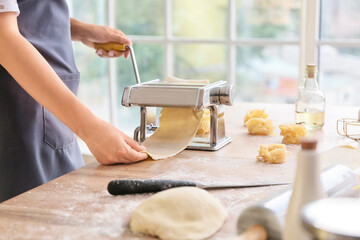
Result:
122,187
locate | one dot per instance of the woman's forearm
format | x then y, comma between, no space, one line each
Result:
78,29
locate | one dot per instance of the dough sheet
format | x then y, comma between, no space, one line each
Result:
177,128
171,79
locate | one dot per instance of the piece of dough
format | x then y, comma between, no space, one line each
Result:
179,213
177,127
260,126
348,146
292,133
256,113
171,79
204,127
272,153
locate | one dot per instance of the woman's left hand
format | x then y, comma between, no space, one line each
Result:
90,34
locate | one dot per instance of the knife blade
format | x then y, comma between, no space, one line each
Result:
133,186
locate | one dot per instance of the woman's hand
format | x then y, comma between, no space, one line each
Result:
90,34
110,146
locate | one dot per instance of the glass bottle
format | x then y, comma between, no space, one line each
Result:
310,101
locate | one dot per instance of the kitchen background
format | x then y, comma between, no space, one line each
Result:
252,43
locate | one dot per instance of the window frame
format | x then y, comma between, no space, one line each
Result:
168,41
309,42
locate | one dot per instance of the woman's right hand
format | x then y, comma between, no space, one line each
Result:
110,146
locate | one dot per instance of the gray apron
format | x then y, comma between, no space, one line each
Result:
35,147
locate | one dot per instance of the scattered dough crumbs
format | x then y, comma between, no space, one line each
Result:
256,113
260,126
292,133
347,146
272,153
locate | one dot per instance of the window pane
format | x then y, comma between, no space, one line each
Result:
90,11
267,73
201,61
340,75
340,19
150,61
200,18
93,89
268,19
140,17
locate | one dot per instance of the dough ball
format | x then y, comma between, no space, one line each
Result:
256,113
272,153
179,213
292,133
260,126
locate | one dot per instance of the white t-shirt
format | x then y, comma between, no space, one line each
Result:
9,6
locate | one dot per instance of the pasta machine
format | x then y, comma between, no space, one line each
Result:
156,93
162,94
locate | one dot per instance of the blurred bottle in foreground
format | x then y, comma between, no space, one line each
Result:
307,187
310,101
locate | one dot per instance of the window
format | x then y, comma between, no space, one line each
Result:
251,43
94,89
339,51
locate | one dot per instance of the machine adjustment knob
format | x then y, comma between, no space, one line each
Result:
227,95
223,95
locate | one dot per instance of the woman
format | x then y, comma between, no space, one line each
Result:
39,112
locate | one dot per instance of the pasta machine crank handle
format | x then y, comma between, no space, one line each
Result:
121,48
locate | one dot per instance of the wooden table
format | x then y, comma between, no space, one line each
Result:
78,206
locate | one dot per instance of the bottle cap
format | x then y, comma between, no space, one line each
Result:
308,144
311,70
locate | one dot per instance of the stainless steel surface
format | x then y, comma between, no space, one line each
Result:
150,129
157,94
133,60
333,218
213,125
227,95
223,95
142,124
201,145
136,134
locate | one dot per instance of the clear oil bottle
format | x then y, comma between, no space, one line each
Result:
310,101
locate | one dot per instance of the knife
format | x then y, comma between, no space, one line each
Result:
133,186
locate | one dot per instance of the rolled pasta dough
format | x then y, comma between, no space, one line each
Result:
172,79
177,128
